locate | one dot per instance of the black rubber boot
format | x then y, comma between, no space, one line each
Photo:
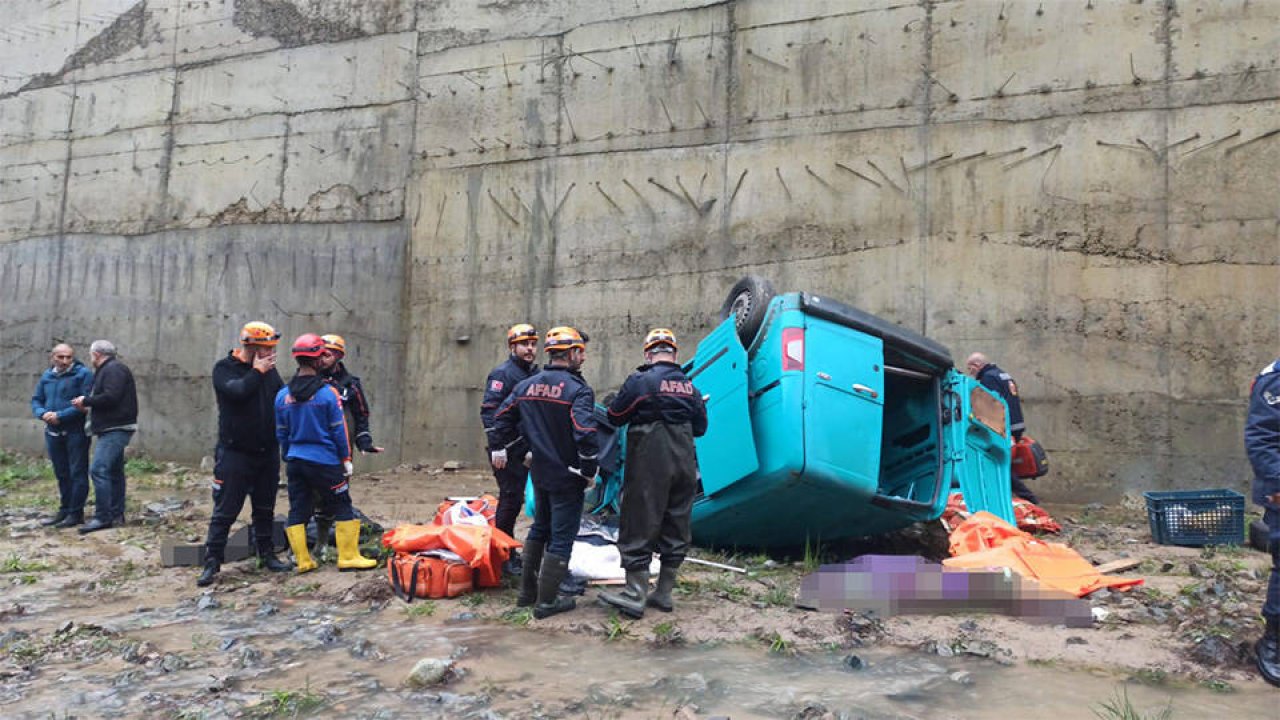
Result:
324,526
211,568
1268,652
630,601
533,551
514,566
51,521
550,601
660,598
71,520
267,560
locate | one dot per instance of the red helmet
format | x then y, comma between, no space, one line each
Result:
308,345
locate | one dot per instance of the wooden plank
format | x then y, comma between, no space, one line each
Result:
1118,565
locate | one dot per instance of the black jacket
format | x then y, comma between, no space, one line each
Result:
554,410
1000,382
501,381
354,400
659,393
246,406
113,399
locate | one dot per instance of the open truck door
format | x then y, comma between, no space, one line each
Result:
977,445
727,452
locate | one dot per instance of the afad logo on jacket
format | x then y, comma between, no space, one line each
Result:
537,390
673,387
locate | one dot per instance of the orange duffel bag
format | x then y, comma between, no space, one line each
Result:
430,574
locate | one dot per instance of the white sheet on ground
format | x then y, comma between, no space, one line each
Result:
600,562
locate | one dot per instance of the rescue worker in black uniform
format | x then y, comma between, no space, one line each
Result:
246,459
664,412
991,377
554,411
522,341
1262,444
356,404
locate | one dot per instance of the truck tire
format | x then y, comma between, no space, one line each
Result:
746,304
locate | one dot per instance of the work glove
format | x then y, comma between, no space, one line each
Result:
498,458
347,468
587,472
528,459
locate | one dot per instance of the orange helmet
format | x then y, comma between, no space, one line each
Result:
335,343
308,345
563,338
658,337
520,332
259,333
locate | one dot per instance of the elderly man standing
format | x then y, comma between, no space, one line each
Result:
114,402
64,436
245,383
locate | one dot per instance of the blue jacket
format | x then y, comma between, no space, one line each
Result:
310,424
1262,434
54,391
659,393
554,410
501,381
1001,383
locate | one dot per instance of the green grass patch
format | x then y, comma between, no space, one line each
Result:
778,597
142,465
302,589
779,645
667,632
517,616
615,628
288,703
15,564
1120,707
424,608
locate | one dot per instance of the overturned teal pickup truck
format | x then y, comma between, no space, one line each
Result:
826,422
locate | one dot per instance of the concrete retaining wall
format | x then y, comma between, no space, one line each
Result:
1080,189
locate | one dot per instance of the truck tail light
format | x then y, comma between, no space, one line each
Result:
792,348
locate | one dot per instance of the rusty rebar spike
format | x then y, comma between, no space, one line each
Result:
848,169
502,209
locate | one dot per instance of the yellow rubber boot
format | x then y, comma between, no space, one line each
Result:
297,535
347,535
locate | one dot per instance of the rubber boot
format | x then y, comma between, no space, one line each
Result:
347,534
630,601
71,520
1268,652
660,598
297,535
267,560
321,548
211,568
533,551
550,601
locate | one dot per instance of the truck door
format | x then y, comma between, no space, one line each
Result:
844,402
977,444
727,452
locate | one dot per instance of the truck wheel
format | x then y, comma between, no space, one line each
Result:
746,304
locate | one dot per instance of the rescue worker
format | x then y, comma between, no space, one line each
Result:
522,342
64,436
246,459
356,405
312,431
664,412
1262,444
991,377
553,409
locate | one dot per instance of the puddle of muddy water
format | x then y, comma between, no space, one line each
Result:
235,651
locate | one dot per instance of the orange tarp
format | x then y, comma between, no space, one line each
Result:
985,541
482,547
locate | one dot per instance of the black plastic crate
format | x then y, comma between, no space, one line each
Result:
1196,517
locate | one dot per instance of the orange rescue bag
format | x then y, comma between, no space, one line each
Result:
421,575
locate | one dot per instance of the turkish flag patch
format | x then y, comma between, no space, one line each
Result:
495,385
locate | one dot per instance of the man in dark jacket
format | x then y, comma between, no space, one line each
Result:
522,342
114,402
312,432
554,411
64,436
356,405
1262,444
991,377
246,463
665,413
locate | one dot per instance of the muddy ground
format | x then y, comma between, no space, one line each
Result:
94,626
